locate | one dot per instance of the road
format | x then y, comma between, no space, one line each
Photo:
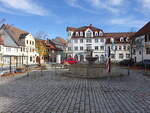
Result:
53,93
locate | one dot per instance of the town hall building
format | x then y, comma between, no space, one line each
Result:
90,37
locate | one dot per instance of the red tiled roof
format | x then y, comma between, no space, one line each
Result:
60,40
16,33
117,36
51,46
144,30
1,41
84,28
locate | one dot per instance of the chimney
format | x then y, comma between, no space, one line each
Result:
90,25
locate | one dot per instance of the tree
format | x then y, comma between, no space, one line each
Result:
42,35
41,40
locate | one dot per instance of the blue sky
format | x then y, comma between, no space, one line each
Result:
53,16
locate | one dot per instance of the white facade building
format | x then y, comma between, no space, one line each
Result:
120,46
141,43
19,45
79,39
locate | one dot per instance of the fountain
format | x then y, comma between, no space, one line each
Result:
86,70
91,69
90,58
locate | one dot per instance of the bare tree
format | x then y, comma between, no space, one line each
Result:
41,35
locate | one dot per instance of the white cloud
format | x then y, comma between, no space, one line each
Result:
74,3
146,3
28,6
127,22
116,2
109,5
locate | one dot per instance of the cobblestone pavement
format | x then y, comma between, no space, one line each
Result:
52,93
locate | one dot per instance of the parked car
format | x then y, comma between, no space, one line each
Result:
145,63
126,62
69,61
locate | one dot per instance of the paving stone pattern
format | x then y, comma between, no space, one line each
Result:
53,93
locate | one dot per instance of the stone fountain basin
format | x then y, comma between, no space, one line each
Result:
84,70
94,71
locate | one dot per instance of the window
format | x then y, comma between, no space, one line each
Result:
140,52
81,40
127,55
88,34
119,47
69,48
124,47
81,48
30,42
113,56
121,39
134,51
77,34
102,40
100,33
88,46
27,41
121,56
147,50
96,40
76,40
102,47
146,38
128,48
8,49
23,49
127,39
96,47
33,43
30,59
81,33
76,48
88,40
96,33
116,48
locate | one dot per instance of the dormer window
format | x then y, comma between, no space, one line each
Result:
81,33
100,33
127,39
89,34
112,40
96,33
69,33
77,33
121,39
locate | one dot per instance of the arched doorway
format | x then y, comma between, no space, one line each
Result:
81,58
76,57
102,58
97,58
37,59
